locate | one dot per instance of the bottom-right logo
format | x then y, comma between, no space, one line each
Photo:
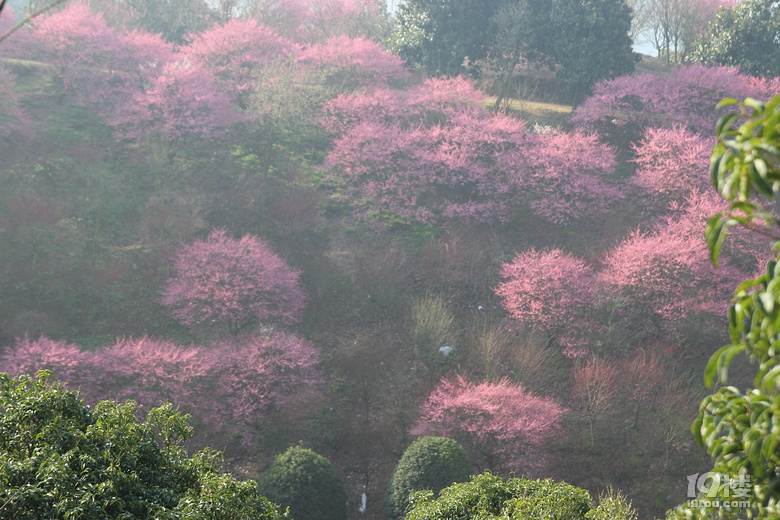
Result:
718,490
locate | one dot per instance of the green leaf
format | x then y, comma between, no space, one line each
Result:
714,233
725,122
726,102
719,362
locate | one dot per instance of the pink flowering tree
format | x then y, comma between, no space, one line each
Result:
568,175
27,356
222,280
434,153
235,52
500,421
665,273
96,65
550,292
426,155
229,386
430,103
622,107
261,374
428,174
352,63
181,102
132,79
672,163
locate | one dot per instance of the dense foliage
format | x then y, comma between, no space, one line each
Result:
591,37
489,496
439,36
746,36
306,483
591,42
64,460
428,463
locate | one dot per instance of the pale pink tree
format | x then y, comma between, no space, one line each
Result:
260,374
430,103
352,63
594,388
665,273
181,102
550,292
567,175
430,174
434,154
229,386
622,107
65,360
150,371
429,154
672,163
501,421
96,65
222,280
235,53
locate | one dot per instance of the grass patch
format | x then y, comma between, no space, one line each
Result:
535,111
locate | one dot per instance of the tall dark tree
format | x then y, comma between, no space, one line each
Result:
518,34
746,36
591,41
439,35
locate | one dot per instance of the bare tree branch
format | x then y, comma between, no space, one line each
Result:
27,18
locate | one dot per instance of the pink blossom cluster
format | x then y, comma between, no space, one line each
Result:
500,420
672,163
143,86
668,269
568,174
433,153
352,63
232,281
235,52
686,97
548,291
663,274
229,385
135,80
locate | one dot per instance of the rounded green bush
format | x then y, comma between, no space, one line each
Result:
306,483
429,463
489,496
